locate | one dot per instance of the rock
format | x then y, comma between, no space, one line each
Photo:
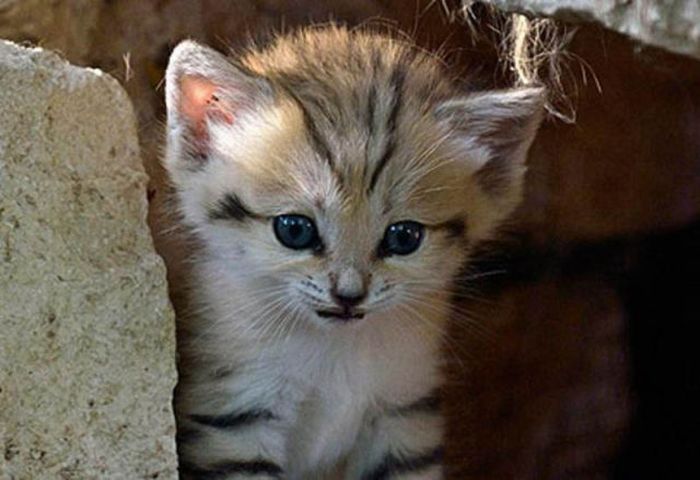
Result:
87,344
674,25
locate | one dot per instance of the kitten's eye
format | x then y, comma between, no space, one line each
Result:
402,238
296,231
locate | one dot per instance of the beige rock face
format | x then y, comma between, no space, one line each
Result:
671,24
87,354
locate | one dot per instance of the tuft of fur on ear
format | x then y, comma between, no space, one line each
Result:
495,130
202,88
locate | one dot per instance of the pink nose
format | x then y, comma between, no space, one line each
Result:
348,301
348,287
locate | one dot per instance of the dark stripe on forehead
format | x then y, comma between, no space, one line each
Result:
396,81
319,143
371,127
376,63
230,207
371,102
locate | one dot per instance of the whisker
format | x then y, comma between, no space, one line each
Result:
477,327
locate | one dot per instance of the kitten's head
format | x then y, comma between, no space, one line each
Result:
341,172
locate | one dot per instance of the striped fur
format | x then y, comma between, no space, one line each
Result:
356,131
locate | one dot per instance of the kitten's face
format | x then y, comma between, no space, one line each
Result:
343,206
337,248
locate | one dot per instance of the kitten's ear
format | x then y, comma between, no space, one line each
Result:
496,129
204,88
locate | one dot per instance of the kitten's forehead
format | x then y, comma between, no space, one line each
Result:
364,107
350,79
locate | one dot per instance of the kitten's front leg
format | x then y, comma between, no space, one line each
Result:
401,442
243,443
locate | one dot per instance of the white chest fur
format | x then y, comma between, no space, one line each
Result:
328,387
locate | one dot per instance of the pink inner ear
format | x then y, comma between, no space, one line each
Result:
198,99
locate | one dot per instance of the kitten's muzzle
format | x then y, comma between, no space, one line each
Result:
348,290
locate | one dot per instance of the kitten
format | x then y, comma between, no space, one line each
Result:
336,181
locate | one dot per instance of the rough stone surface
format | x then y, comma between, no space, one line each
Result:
87,353
671,24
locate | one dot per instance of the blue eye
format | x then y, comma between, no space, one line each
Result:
402,238
296,231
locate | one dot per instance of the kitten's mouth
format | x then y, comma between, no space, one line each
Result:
344,315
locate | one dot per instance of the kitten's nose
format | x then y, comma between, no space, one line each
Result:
348,288
346,301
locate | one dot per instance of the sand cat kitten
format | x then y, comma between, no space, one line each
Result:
336,181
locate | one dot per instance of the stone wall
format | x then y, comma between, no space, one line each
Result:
672,24
87,347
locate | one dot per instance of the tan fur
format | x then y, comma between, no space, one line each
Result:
304,127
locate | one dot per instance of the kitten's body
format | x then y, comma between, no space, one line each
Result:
357,133
323,386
